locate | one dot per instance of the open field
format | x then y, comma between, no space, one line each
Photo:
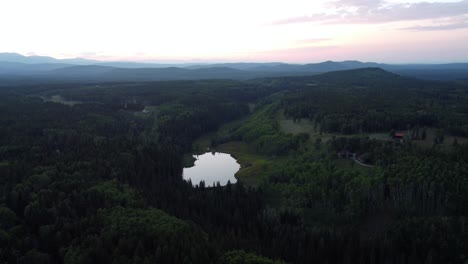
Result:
253,165
306,126
59,99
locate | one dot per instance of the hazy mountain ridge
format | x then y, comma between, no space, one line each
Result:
17,66
15,57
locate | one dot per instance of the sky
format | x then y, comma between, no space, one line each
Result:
295,31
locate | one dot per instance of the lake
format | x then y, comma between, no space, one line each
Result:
212,167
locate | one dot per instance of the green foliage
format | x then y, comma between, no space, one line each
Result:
333,194
34,256
98,182
7,218
262,131
140,235
378,102
242,257
141,223
113,193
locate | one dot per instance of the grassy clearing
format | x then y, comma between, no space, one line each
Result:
291,127
309,127
252,164
59,99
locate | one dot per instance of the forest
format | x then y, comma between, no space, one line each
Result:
355,166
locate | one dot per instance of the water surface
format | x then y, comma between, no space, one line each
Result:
212,167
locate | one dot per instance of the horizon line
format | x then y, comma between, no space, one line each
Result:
215,61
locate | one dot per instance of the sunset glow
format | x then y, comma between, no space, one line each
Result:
209,30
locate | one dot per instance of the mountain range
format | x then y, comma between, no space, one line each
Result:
24,69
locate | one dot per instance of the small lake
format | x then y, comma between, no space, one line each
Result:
212,167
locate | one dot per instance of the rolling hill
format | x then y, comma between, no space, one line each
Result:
24,69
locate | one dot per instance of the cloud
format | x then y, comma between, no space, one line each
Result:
356,3
419,11
374,12
313,40
303,19
451,26
88,54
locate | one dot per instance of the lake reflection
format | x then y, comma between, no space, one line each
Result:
212,167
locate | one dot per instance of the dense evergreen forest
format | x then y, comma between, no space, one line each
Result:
359,166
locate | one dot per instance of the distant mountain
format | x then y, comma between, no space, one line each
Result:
81,70
359,76
134,65
18,58
7,67
15,66
106,73
15,57
245,66
426,71
347,65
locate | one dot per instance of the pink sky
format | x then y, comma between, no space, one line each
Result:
244,30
